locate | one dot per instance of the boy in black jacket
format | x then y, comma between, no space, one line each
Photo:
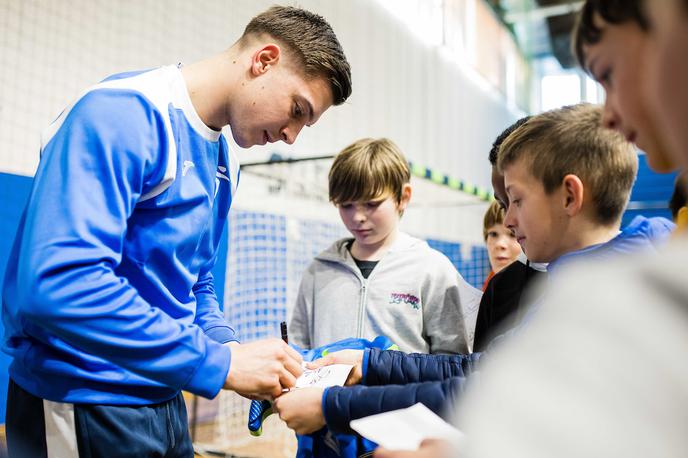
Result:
499,306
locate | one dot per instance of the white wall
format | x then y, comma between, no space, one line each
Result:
436,111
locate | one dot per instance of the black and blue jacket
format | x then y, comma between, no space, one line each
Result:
395,380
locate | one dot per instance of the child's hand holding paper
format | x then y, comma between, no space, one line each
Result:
301,408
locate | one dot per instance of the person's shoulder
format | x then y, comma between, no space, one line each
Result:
407,242
514,277
513,269
425,253
156,88
336,252
640,272
659,230
640,235
112,117
620,293
123,98
113,108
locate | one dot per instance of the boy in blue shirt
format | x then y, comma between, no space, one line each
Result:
108,304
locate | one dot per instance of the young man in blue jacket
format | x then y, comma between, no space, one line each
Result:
567,180
108,304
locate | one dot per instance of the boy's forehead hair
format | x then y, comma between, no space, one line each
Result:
587,31
368,169
572,140
310,41
493,215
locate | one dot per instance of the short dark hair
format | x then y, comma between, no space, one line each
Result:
494,152
586,32
311,40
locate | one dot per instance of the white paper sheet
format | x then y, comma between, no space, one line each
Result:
334,374
405,429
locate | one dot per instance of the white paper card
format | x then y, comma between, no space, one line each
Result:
334,374
405,429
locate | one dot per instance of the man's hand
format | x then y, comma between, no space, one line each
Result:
353,357
301,409
263,369
429,448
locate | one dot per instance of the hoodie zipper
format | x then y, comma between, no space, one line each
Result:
361,307
363,292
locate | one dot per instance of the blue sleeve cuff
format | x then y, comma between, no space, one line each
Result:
364,365
211,374
222,334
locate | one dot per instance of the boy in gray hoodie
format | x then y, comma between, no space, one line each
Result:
381,281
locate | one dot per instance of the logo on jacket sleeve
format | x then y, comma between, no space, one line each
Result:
221,174
186,166
403,298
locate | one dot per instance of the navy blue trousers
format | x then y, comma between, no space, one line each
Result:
34,426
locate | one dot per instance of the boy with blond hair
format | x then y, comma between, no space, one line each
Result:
564,206
381,281
568,180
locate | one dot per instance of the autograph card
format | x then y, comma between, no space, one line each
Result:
334,374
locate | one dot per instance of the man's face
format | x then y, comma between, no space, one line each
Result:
666,73
537,219
616,62
276,105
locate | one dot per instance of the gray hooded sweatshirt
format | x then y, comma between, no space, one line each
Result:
414,296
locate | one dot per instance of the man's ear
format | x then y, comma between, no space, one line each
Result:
406,192
574,192
265,57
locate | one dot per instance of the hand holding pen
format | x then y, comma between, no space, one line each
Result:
265,368
283,331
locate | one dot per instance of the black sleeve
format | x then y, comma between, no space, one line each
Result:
500,302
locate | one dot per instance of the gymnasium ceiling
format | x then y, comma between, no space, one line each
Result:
543,30
542,27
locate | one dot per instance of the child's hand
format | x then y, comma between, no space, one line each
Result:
301,409
353,357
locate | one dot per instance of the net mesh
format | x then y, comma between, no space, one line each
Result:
268,250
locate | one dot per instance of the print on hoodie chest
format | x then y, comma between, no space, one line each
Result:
405,298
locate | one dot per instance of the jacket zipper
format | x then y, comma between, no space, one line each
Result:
361,308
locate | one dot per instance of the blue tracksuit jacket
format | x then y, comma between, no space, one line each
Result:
108,296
